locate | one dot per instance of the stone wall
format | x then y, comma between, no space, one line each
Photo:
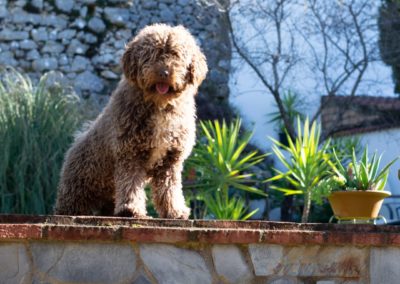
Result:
91,262
84,40
63,249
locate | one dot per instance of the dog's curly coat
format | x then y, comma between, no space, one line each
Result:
143,135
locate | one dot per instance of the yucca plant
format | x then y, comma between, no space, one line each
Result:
363,174
36,127
292,104
223,168
306,164
234,208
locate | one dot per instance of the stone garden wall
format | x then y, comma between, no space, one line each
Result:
84,40
55,249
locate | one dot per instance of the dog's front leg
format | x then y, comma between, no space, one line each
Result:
166,186
130,197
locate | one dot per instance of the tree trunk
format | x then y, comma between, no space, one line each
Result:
286,209
287,204
307,206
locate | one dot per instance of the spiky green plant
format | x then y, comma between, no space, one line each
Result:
306,164
36,126
292,104
363,174
234,208
344,147
223,167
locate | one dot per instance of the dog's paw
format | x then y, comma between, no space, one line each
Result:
129,213
182,213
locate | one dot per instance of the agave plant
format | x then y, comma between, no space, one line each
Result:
363,174
222,167
306,164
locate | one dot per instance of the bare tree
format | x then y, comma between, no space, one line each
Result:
342,39
340,36
274,57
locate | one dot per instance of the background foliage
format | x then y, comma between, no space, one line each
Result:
36,127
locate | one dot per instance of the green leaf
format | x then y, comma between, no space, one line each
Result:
385,170
248,188
247,216
287,191
355,165
364,180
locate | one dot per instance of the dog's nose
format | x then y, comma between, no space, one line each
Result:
164,74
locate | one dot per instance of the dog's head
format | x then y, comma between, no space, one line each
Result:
163,62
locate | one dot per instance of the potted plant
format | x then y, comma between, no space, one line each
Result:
356,191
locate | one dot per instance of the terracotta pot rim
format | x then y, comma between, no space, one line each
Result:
376,192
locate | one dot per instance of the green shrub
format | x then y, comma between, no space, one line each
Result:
306,164
36,127
223,170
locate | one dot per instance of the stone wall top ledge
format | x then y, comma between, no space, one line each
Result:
83,228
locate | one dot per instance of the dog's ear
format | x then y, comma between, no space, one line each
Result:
129,62
198,68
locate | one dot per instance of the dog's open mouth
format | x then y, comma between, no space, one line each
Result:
162,88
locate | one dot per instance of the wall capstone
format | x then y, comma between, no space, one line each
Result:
88,249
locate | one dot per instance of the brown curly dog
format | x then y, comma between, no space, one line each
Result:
142,136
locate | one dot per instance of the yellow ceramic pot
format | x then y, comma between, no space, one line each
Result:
361,204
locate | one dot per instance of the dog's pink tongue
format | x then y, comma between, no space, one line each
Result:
162,88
